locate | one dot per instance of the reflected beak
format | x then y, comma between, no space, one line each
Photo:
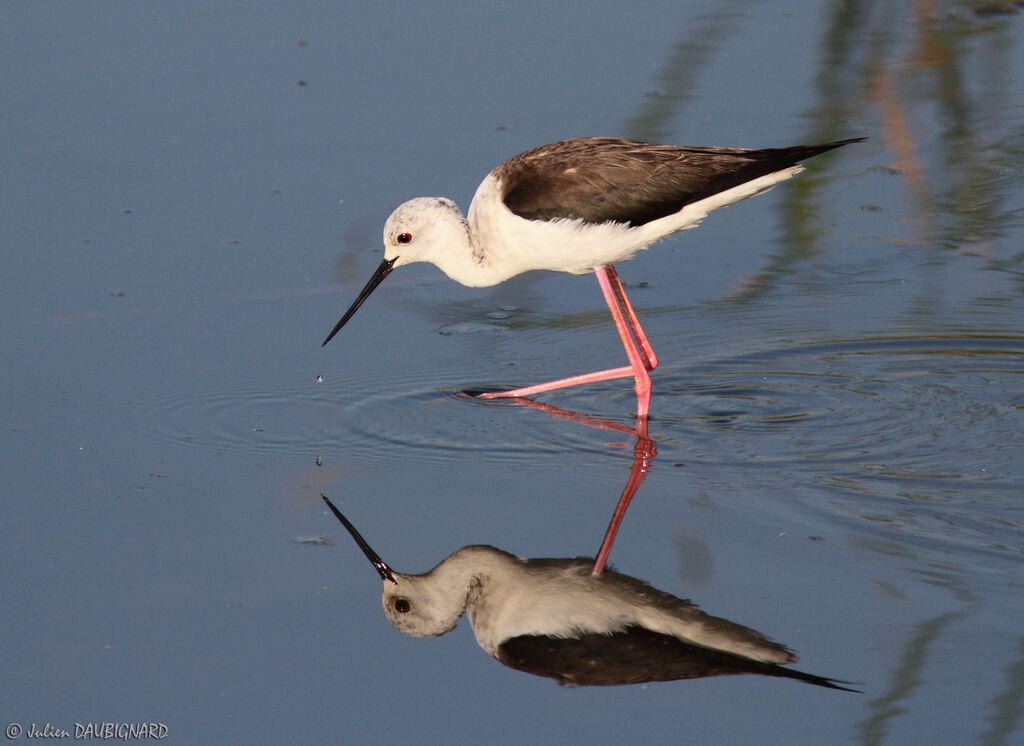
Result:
382,569
382,271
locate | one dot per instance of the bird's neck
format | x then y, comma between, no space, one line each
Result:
478,576
467,567
460,577
467,254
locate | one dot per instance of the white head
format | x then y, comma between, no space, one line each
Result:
420,607
425,229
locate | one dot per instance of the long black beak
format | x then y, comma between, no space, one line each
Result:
382,568
382,271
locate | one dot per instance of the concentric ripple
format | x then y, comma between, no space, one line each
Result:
903,444
886,400
411,417
885,404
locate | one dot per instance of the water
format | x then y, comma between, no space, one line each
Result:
837,413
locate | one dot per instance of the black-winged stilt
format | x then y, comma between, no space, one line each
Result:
580,206
556,618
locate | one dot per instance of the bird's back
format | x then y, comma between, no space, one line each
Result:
599,179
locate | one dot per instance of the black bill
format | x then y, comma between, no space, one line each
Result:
382,568
382,271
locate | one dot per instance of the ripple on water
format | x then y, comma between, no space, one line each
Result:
411,417
950,406
853,401
907,443
886,439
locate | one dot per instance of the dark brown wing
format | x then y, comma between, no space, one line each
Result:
633,656
601,179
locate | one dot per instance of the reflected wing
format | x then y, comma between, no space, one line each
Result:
632,656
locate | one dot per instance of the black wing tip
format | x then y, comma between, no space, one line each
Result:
810,678
836,684
809,151
841,143
848,141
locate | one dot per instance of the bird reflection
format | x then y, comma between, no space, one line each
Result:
559,619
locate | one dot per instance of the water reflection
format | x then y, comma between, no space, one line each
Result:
644,452
562,619
906,679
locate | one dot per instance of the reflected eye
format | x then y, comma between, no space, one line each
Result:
404,237
402,606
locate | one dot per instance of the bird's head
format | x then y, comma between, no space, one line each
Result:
425,229
417,605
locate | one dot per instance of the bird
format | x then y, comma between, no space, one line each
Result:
556,619
578,206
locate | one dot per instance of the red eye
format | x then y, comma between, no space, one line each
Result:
401,605
404,237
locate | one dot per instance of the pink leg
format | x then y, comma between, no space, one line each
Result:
650,359
644,451
612,289
640,353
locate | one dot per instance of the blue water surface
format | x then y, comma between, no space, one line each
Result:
193,194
